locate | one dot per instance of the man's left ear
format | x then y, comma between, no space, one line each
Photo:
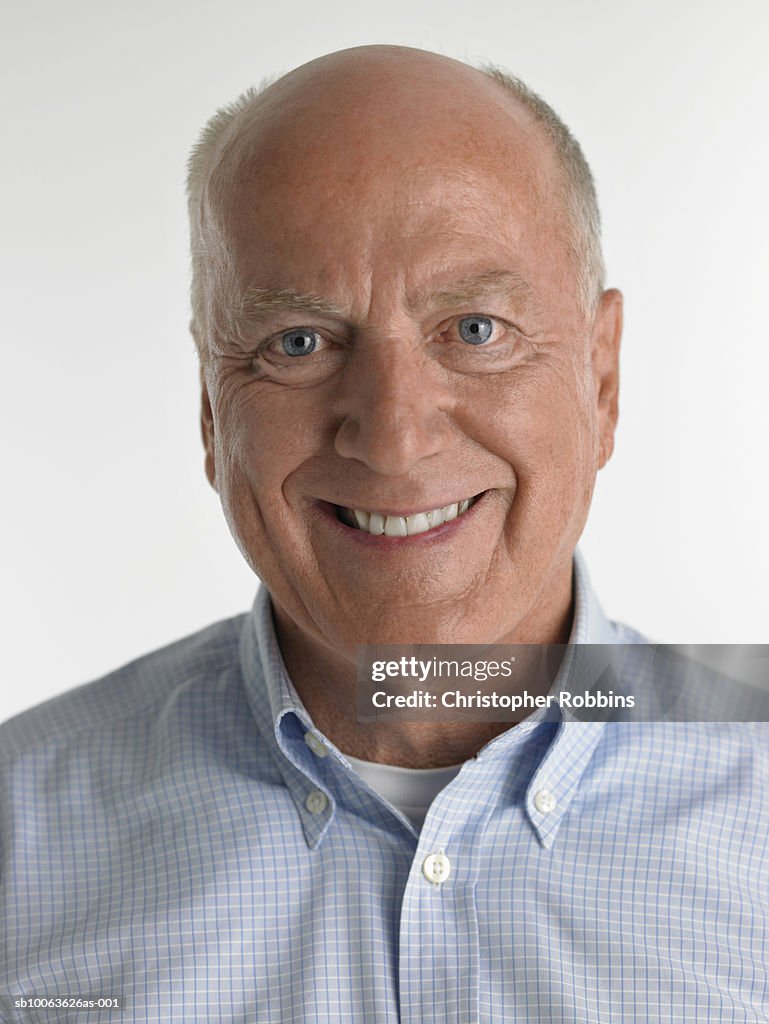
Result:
605,342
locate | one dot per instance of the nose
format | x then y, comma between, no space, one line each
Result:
394,406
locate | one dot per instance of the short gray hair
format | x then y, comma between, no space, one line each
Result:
579,194
198,168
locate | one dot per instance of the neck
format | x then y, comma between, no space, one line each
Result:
326,682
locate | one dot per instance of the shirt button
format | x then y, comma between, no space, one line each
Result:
316,745
436,868
316,801
544,801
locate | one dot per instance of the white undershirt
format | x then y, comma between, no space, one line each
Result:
409,790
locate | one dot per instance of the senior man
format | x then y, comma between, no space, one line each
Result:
409,375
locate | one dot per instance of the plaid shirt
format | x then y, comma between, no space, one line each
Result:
180,834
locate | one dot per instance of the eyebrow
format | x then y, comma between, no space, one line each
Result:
258,303
474,286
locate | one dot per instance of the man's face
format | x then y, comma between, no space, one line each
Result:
399,333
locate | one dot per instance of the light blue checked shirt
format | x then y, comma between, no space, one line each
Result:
179,834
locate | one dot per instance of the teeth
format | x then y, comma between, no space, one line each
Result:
418,523
376,524
403,526
395,526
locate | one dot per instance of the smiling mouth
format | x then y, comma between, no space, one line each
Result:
379,525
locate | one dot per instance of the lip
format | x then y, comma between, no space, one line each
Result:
382,541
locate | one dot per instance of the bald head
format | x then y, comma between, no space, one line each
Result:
391,114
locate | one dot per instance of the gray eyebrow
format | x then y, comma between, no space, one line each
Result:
258,303
474,286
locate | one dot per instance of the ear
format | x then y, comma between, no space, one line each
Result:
606,336
207,429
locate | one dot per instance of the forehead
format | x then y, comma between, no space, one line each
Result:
425,167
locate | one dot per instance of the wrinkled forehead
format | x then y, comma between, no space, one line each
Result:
364,138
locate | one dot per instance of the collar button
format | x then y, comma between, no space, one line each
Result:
544,801
316,744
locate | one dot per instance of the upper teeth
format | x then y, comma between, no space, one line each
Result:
403,526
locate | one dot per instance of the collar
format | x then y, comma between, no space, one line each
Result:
291,736
556,781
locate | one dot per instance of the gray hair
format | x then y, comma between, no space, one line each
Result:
579,194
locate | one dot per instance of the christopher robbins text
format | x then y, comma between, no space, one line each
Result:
508,701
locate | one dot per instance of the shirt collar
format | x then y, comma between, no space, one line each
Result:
283,722
590,625
555,782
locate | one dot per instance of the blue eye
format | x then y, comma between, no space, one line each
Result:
475,330
300,342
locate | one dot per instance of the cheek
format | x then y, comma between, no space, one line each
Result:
254,455
244,470
536,419
542,424
259,439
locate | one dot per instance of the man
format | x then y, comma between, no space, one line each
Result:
409,371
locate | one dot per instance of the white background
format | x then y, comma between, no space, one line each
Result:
112,542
